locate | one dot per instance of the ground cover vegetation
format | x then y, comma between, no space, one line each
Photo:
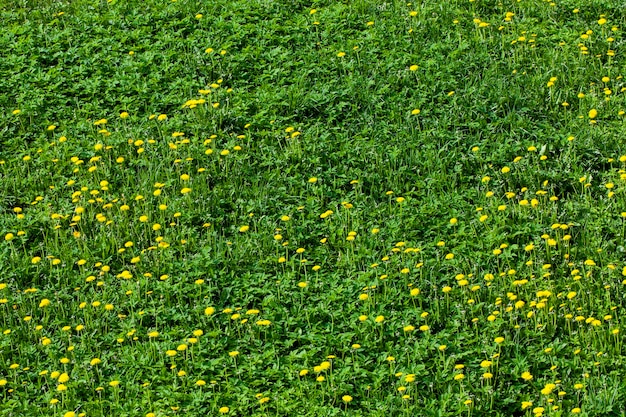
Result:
261,208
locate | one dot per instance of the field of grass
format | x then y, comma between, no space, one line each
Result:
338,208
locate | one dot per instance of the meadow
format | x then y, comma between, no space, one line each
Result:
327,208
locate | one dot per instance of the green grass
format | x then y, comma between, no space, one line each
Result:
411,205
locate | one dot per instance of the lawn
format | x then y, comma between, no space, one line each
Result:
338,208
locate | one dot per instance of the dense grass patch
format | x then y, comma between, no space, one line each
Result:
257,208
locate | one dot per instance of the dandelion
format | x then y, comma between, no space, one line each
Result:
548,388
326,214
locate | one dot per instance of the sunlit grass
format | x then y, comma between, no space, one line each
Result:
280,208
